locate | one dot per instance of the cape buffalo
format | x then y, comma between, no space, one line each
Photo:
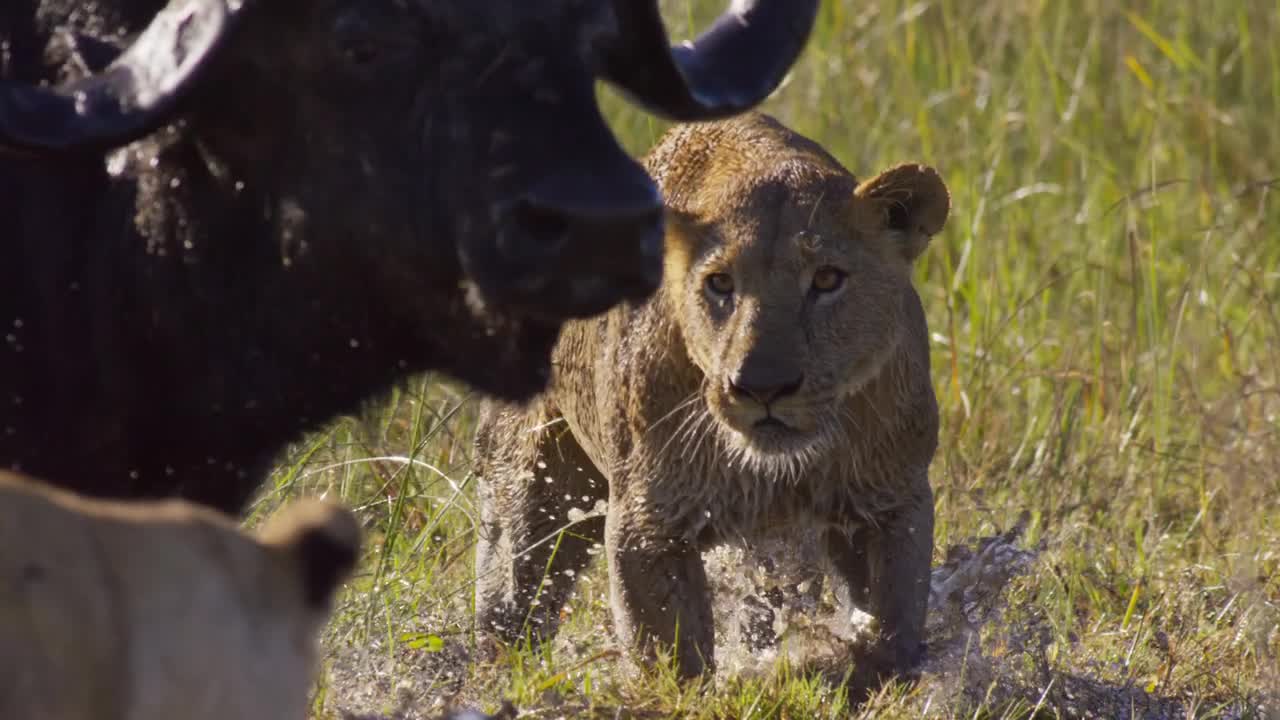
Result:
224,222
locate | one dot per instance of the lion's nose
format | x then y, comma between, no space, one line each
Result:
764,388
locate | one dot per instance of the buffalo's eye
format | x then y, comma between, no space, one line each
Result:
355,38
361,54
828,279
720,283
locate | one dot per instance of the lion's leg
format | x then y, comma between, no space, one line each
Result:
659,593
851,568
495,461
885,572
494,582
530,551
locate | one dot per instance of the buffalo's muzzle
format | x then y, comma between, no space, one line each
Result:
574,258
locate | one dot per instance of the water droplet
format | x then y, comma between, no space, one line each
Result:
175,183
133,474
115,164
542,465
354,343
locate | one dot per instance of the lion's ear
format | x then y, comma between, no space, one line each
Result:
910,200
322,540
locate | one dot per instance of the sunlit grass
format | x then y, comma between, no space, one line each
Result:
1106,348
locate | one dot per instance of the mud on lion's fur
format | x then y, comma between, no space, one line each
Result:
161,609
780,377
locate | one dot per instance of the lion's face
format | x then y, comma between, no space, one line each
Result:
790,295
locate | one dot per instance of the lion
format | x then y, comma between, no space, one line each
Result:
161,609
778,380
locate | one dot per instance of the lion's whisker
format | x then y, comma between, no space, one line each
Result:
692,398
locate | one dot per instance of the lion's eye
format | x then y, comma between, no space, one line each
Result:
720,283
828,279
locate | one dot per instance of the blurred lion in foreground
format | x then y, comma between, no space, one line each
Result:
161,610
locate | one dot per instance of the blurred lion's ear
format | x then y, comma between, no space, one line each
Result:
912,201
323,539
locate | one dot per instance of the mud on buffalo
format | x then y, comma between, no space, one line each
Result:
227,221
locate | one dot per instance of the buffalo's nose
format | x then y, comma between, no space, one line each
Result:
764,388
579,255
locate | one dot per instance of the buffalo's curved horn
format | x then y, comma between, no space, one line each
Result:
731,67
128,99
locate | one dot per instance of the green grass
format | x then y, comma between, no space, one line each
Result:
1106,349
